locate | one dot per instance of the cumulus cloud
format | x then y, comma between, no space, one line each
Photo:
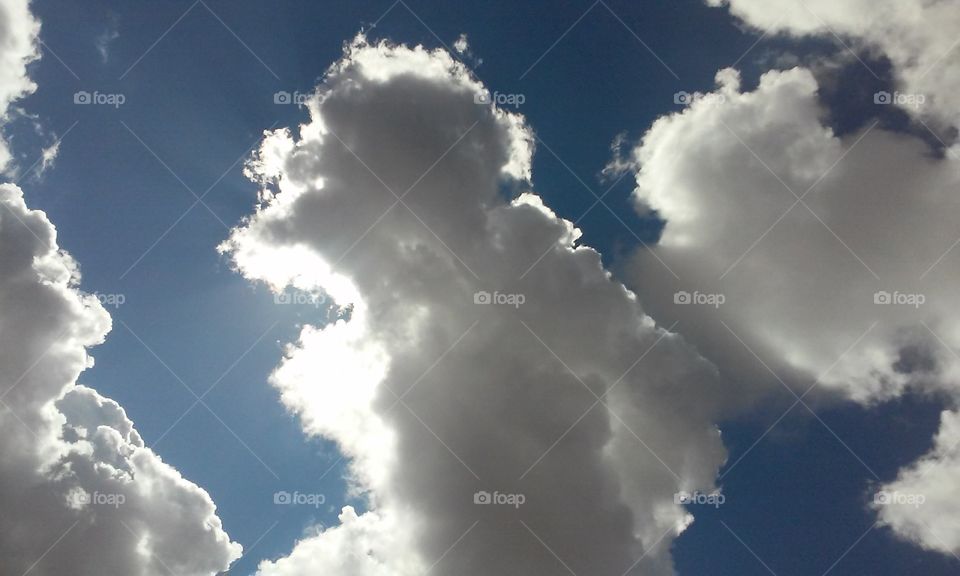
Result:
80,492
921,504
19,46
826,260
453,378
918,36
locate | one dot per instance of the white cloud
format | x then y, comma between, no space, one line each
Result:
80,492
918,36
74,466
360,545
854,288
462,44
48,156
922,504
19,47
105,39
486,406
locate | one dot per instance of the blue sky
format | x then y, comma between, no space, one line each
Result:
199,81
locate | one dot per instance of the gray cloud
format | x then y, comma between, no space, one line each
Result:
495,397
80,492
918,36
848,293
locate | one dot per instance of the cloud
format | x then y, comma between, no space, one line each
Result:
453,378
918,36
80,492
462,44
19,46
106,38
849,292
48,157
921,504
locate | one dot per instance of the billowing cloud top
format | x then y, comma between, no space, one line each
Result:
80,492
499,418
827,261
505,405
918,36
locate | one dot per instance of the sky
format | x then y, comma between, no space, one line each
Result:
405,287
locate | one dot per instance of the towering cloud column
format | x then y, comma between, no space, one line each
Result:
505,405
